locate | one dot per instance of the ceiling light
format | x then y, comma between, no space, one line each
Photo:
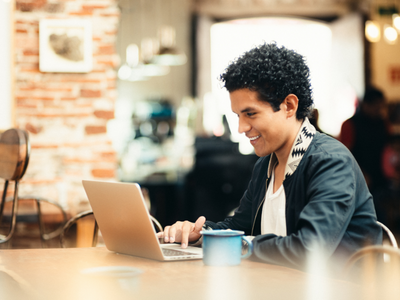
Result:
131,69
372,31
168,54
390,34
124,72
396,21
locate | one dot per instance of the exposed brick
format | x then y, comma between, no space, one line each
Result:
55,7
68,98
48,103
93,6
108,156
33,129
107,62
57,115
35,98
44,146
27,88
25,42
22,104
111,32
90,93
31,52
40,181
103,173
78,160
81,13
79,79
95,129
110,14
29,5
104,114
30,68
107,49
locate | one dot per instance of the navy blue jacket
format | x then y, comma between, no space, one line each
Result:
328,207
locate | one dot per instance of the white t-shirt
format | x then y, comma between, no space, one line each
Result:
273,218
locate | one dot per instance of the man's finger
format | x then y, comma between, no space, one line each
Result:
187,228
198,225
172,232
166,234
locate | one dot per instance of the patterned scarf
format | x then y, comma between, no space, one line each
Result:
299,148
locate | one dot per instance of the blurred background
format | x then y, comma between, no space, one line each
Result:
144,104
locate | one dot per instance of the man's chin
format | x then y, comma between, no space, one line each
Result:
261,153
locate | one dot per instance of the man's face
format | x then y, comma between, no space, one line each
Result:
267,130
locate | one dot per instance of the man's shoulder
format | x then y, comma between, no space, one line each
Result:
325,144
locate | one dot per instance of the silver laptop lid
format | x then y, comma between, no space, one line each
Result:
123,218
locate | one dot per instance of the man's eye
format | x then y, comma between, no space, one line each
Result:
250,114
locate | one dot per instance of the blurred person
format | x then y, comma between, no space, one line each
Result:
314,120
366,135
391,161
307,196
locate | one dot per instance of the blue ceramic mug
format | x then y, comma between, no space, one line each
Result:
224,247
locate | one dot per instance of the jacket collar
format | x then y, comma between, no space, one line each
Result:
299,148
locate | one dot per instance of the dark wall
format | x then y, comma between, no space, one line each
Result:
218,180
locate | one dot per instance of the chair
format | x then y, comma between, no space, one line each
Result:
14,159
390,235
74,220
377,270
85,214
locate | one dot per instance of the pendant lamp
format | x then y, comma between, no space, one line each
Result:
168,54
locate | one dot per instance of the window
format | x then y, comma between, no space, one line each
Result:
334,53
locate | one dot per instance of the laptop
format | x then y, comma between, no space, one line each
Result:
125,224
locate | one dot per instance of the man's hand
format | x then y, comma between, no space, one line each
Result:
182,232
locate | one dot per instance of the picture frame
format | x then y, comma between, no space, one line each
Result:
65,46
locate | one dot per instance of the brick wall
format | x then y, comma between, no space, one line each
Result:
66,114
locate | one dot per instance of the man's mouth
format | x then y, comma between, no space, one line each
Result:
254,138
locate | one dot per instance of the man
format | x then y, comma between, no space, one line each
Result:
307,193
366,134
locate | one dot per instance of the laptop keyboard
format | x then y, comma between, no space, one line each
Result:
172,252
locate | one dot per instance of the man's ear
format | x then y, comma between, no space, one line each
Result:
292,103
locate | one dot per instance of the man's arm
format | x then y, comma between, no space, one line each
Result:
323,221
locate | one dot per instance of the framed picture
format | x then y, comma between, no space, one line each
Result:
65,46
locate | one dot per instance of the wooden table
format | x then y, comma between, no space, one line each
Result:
57,274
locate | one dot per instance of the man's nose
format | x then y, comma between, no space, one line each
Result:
243,126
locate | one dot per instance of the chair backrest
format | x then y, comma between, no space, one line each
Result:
87,213
14,154
391,236
376,269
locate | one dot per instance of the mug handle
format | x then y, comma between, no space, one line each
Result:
250,248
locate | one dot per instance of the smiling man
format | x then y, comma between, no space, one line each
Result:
307,193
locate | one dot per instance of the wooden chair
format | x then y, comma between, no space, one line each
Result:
73,221
14,159
86,214
376,268
389,234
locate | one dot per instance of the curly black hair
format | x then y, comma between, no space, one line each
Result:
274,73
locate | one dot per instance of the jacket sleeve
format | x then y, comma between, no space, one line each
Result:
322,223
